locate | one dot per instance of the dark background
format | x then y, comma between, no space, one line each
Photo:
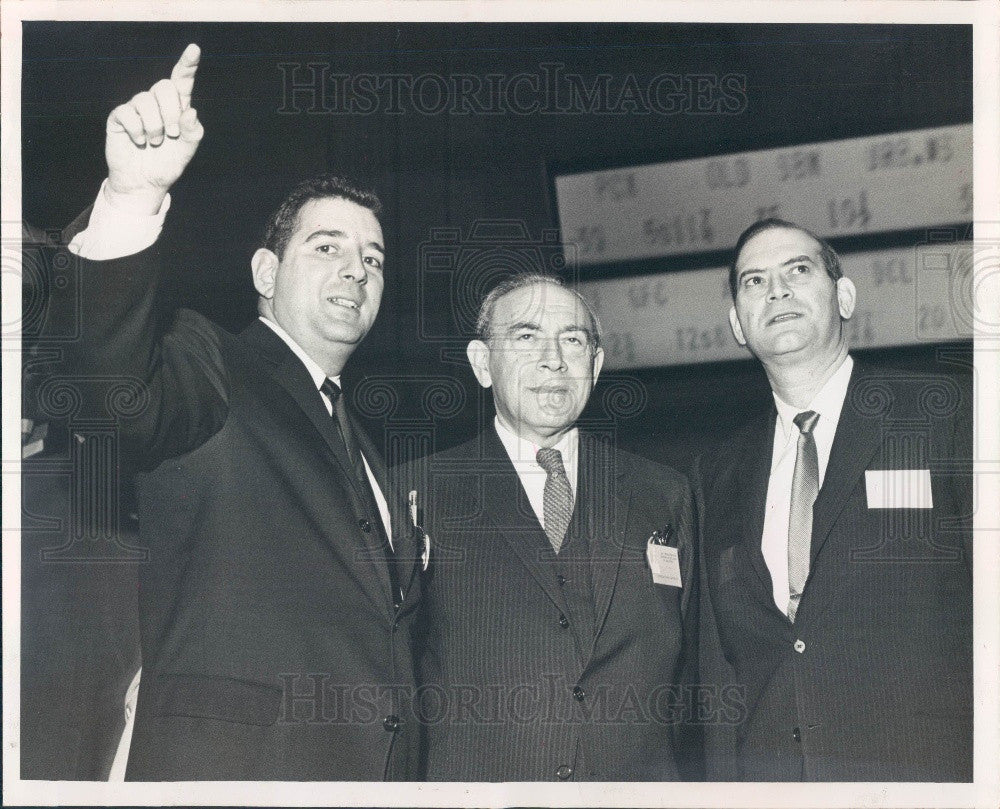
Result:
804,83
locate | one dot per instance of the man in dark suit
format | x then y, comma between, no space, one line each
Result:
551,651
274,610
836,554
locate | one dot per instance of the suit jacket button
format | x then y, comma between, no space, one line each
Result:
564,772
800,646
579,694
364,525
561,579
563,621
392,723
796,734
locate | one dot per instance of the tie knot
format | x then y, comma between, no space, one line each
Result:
805,421
331,389
550,460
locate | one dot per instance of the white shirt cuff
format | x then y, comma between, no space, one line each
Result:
116,232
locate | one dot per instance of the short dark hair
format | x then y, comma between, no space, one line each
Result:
283,221
484,323
831,261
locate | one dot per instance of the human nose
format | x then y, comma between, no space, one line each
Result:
354,267
552,356
777,289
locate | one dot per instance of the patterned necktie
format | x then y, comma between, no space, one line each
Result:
805,488
364,486
557,500
333,393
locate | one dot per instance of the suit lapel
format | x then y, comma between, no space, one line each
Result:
751,472
521,530
855,441
289,372
404,547
602,510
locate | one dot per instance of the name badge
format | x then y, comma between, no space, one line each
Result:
664,564
898,488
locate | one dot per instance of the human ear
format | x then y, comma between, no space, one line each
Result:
264,266
846,297
734,324
479,358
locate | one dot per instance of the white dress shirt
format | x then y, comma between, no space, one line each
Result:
532,476
115,232
828,402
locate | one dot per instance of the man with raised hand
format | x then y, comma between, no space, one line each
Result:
276,603
836,545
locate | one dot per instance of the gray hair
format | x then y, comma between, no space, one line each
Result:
484,323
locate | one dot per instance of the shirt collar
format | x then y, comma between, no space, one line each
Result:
522,451
828,401
312,366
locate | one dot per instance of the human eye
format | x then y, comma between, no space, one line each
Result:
800,269
327,248
752,280
374,262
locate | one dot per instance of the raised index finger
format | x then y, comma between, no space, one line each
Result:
183,73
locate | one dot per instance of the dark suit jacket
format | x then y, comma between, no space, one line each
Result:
518,683
271,648
873,682
79,619
79,629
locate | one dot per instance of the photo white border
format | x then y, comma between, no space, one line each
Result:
984,15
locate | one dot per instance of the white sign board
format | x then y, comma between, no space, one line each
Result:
905,180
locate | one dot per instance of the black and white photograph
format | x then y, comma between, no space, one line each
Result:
482,404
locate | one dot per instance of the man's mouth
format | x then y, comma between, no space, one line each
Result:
347,303
553,397
784,316
552,388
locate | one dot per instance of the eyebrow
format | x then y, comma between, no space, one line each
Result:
339,234
527,324
787,263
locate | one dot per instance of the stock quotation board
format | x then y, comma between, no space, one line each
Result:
918,181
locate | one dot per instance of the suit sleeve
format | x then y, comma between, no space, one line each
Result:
159,376
688,739
716,678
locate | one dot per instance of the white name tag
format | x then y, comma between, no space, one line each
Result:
898,488
665,565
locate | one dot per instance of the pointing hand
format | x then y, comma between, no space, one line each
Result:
152,137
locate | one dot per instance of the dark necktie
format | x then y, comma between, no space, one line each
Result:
805,488
364,487
557,499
